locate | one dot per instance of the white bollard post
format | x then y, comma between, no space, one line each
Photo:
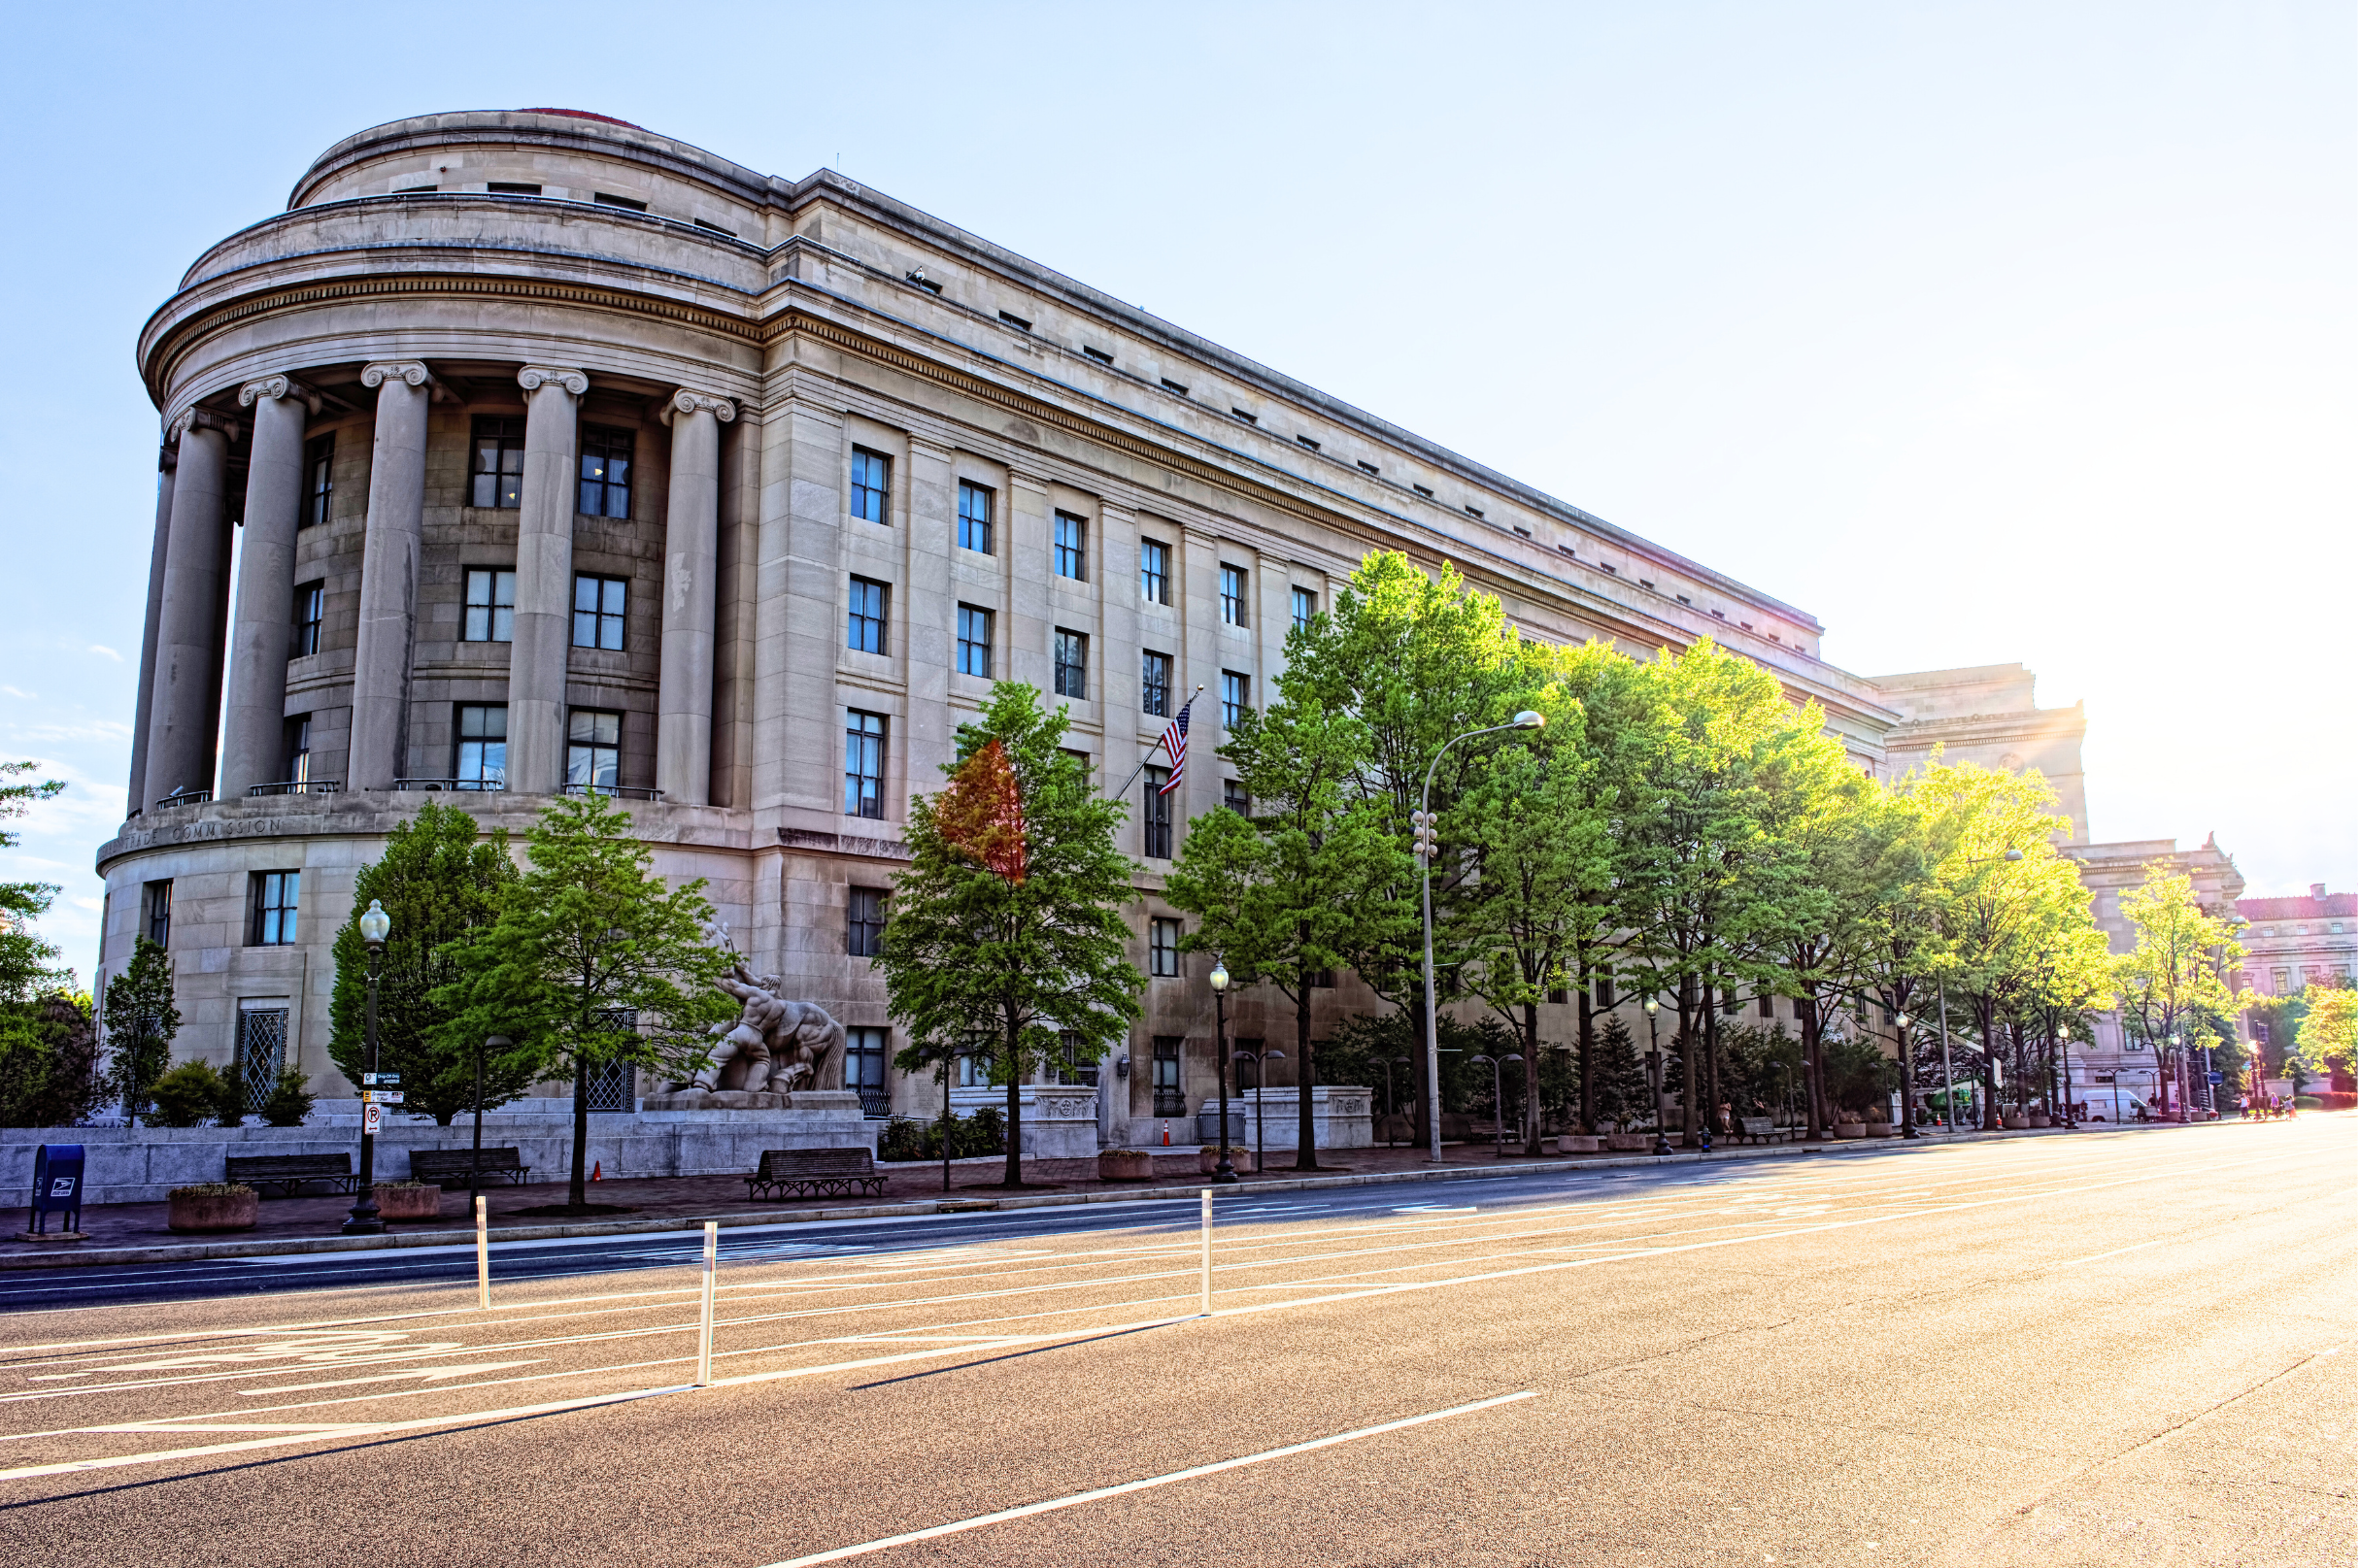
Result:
1205,1216
483,1259
704,1316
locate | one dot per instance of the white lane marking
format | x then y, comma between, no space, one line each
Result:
1101,1493
2116,1252
116,1461
429,1375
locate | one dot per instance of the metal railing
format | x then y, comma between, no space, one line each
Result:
459,785
619,792
186,797
297,786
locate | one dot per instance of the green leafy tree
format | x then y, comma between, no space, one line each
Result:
28,965
2323,1042
1008,922
139,1021
1537,828
1291,892
1415,660
441,881
591,959
48,1060
2171,987
1618,1083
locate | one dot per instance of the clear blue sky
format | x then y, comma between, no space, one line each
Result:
1985,332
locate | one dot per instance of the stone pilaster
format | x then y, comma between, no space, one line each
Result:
799,734
185,690
545,581
145,712
389,576
255,719
929,613
684,690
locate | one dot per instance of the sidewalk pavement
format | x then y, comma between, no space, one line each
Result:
137,1233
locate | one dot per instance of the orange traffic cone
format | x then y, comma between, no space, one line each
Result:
595,1167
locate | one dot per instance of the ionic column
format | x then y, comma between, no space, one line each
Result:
186,685
255,720
145,713
684,687
389,575
545,581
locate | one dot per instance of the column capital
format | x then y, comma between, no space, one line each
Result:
410,371
684,401
188,420
278,386
532,378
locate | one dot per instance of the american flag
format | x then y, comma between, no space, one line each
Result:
1175,747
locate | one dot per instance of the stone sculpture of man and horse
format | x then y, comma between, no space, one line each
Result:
776,1047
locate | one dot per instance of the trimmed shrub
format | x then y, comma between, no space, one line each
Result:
288,1103
186,1095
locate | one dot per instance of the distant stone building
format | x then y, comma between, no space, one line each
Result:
2296,942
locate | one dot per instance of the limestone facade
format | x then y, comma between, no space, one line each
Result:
545,451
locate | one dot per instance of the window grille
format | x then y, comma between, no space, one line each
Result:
262,1053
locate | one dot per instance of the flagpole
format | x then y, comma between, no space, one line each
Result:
1117,792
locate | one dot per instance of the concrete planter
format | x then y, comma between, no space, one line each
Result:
1579,1142
1884,1129
2015,1121
1630,1143
1126,1164
1851,1129
2040,1119
193,1213
404,1202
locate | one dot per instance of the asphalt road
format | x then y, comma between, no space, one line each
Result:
2103,1348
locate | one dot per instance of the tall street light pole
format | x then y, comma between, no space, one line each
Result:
1655,1080
1224,1173
375,926
1421,821
1901,1021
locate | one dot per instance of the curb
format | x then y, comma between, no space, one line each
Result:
291,1245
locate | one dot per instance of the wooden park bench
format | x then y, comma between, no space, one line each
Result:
807,1173
288,1172
452,1167
1757,1130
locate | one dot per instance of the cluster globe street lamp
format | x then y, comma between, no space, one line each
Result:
1426,847
1224,1173
1655,1080
375,926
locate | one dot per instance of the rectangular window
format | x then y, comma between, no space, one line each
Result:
298,749
594,750
1601,991
872,476
1233,796
864,921
511,188
863,764
310,611
1071,556
864,620
598,605
155,912
319,479
1156,818
498,476
1155,684
975,642
1233,594
974,517
864,1068
1237,697
1072,664
606,471
1306,606
1015,322
491,606
1170,1101
1163,948
275,896
482,760
1770,1006
628,203
1077,1060
1155,572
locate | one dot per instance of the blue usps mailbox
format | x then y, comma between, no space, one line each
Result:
57,1187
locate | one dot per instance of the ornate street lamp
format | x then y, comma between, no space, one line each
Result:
1901,1021
2065,1075
1224,1173
375,926
1499,1103
1422,821
1655,1080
